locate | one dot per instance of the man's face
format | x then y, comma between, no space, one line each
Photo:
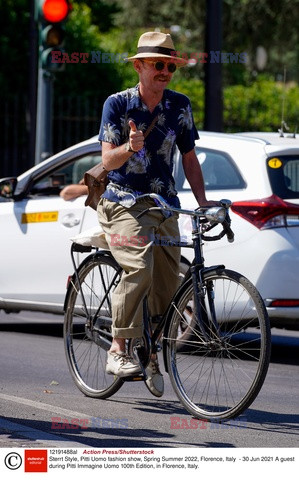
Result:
151,78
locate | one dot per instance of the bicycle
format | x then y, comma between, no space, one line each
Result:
217,369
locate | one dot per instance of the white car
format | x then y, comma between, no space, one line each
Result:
258,172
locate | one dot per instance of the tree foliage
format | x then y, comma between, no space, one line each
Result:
246,25
251,98
259,106
85,79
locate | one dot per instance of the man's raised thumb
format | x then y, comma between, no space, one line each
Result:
132,126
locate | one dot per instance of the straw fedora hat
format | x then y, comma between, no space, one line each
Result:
156,45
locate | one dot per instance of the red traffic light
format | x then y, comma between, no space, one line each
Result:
55,10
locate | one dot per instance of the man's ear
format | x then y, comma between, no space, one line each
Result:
137,65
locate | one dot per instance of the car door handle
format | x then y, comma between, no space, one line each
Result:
70,220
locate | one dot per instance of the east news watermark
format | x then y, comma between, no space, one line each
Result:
58,56
176,423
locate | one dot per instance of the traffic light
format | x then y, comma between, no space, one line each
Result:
52,15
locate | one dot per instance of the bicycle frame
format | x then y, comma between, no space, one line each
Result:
196,270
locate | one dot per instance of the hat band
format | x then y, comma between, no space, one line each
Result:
162,50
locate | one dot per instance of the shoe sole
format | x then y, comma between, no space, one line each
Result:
124,374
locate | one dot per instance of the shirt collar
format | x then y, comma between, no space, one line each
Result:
135,101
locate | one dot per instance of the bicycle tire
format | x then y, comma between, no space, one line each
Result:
218,377
84,336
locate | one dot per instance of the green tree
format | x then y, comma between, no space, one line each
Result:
246,25
102,13
85,79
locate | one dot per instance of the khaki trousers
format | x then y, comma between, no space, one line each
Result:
149,269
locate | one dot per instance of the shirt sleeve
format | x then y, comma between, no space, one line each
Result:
188,133
111,128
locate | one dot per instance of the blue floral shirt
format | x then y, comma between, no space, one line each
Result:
149,170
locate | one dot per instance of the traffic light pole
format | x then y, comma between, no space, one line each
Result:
33,68
43,144
49,16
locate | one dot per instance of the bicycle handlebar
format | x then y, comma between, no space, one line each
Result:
164,205
202,212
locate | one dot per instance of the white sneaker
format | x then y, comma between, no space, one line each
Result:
154,381
121,364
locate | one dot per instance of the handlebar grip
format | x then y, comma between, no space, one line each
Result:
229,234
227,230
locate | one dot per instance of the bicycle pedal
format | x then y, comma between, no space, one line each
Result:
133,378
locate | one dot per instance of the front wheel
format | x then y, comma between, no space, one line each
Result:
219,371
87,325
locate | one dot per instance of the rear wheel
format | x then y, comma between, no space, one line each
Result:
218,374
87,325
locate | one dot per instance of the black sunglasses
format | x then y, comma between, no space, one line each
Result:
159,66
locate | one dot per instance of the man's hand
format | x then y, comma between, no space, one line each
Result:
114,157
136,137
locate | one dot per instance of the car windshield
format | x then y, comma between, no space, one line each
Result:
283,173
219,171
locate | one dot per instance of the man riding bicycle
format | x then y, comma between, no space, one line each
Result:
139,130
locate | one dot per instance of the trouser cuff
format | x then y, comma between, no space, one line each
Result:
131,332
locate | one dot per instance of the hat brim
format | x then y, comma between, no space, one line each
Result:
140,56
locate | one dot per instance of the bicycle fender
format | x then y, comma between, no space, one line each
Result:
212,268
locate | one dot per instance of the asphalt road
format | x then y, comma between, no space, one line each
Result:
37,393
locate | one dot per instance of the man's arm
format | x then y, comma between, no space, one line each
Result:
114,157
194,176
73,191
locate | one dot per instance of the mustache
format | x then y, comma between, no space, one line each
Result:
162,77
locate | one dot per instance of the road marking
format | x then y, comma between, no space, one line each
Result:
44,406
48,439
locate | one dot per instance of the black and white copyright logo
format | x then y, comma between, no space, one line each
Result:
13,461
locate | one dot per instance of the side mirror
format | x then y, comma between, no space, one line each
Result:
7,187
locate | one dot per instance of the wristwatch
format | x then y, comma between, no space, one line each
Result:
128,147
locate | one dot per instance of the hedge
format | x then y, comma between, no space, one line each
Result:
257,107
